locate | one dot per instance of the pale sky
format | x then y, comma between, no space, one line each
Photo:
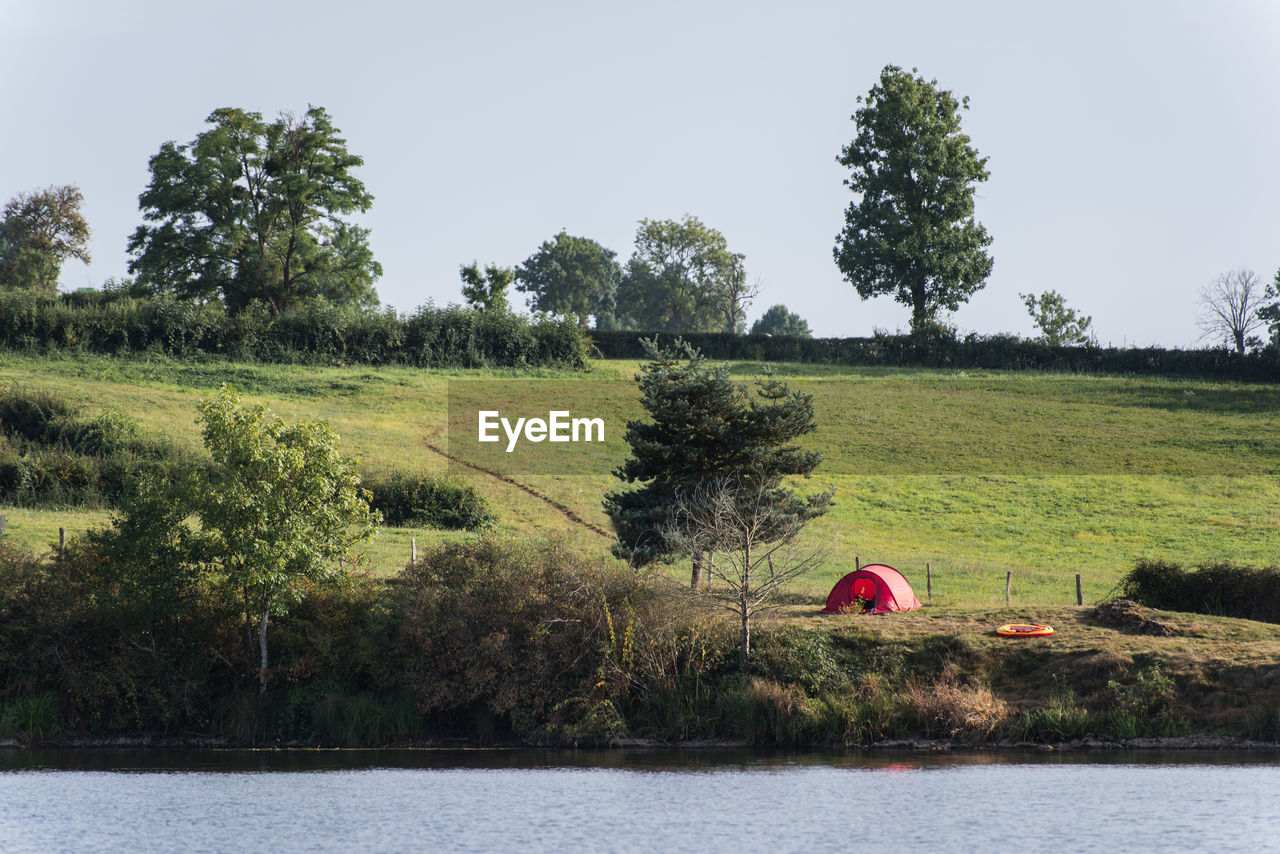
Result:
1132,146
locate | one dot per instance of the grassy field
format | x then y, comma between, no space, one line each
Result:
976,473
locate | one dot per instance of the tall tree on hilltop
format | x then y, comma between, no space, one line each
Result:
911,230
571,276
705,426
40,230
252,211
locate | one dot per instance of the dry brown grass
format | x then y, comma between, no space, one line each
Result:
951,708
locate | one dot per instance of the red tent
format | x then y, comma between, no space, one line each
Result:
883,587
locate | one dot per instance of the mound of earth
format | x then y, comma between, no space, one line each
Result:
1127,616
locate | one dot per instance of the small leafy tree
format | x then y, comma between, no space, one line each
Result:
779,321
40,230
277,508
911,232
486,290
753,525
1231,308
1059,325
570,276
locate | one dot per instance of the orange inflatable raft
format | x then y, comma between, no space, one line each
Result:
1023,630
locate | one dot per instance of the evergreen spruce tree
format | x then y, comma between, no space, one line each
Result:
705,427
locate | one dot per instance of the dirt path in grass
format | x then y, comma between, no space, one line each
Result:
564,511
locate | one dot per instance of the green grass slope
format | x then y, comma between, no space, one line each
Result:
976,473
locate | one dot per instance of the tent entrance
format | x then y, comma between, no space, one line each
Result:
864,589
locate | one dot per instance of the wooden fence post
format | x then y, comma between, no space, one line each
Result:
857,563
928,581
1079,591
3,524
1008,582
62,541
413,550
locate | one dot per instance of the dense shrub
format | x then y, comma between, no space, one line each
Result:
35,415
53,455
992,352
75,627
427,501
507,632
316,332
1220,588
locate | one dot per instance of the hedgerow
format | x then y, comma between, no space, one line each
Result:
315,333
992,352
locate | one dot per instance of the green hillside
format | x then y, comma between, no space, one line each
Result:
976,473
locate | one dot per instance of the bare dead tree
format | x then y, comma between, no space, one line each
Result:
753,534
1230,306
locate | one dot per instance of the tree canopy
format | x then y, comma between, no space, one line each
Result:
570,276
683,278
778,320
40,230
252,210
911,231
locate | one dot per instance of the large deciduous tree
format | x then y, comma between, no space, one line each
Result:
704,426
911,231
40,230
253,211
571,276
683,278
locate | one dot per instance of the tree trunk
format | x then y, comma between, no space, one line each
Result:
743,607
696,579
1239,336
248,622
919,313
262,646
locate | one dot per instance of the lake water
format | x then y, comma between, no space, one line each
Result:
712,801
